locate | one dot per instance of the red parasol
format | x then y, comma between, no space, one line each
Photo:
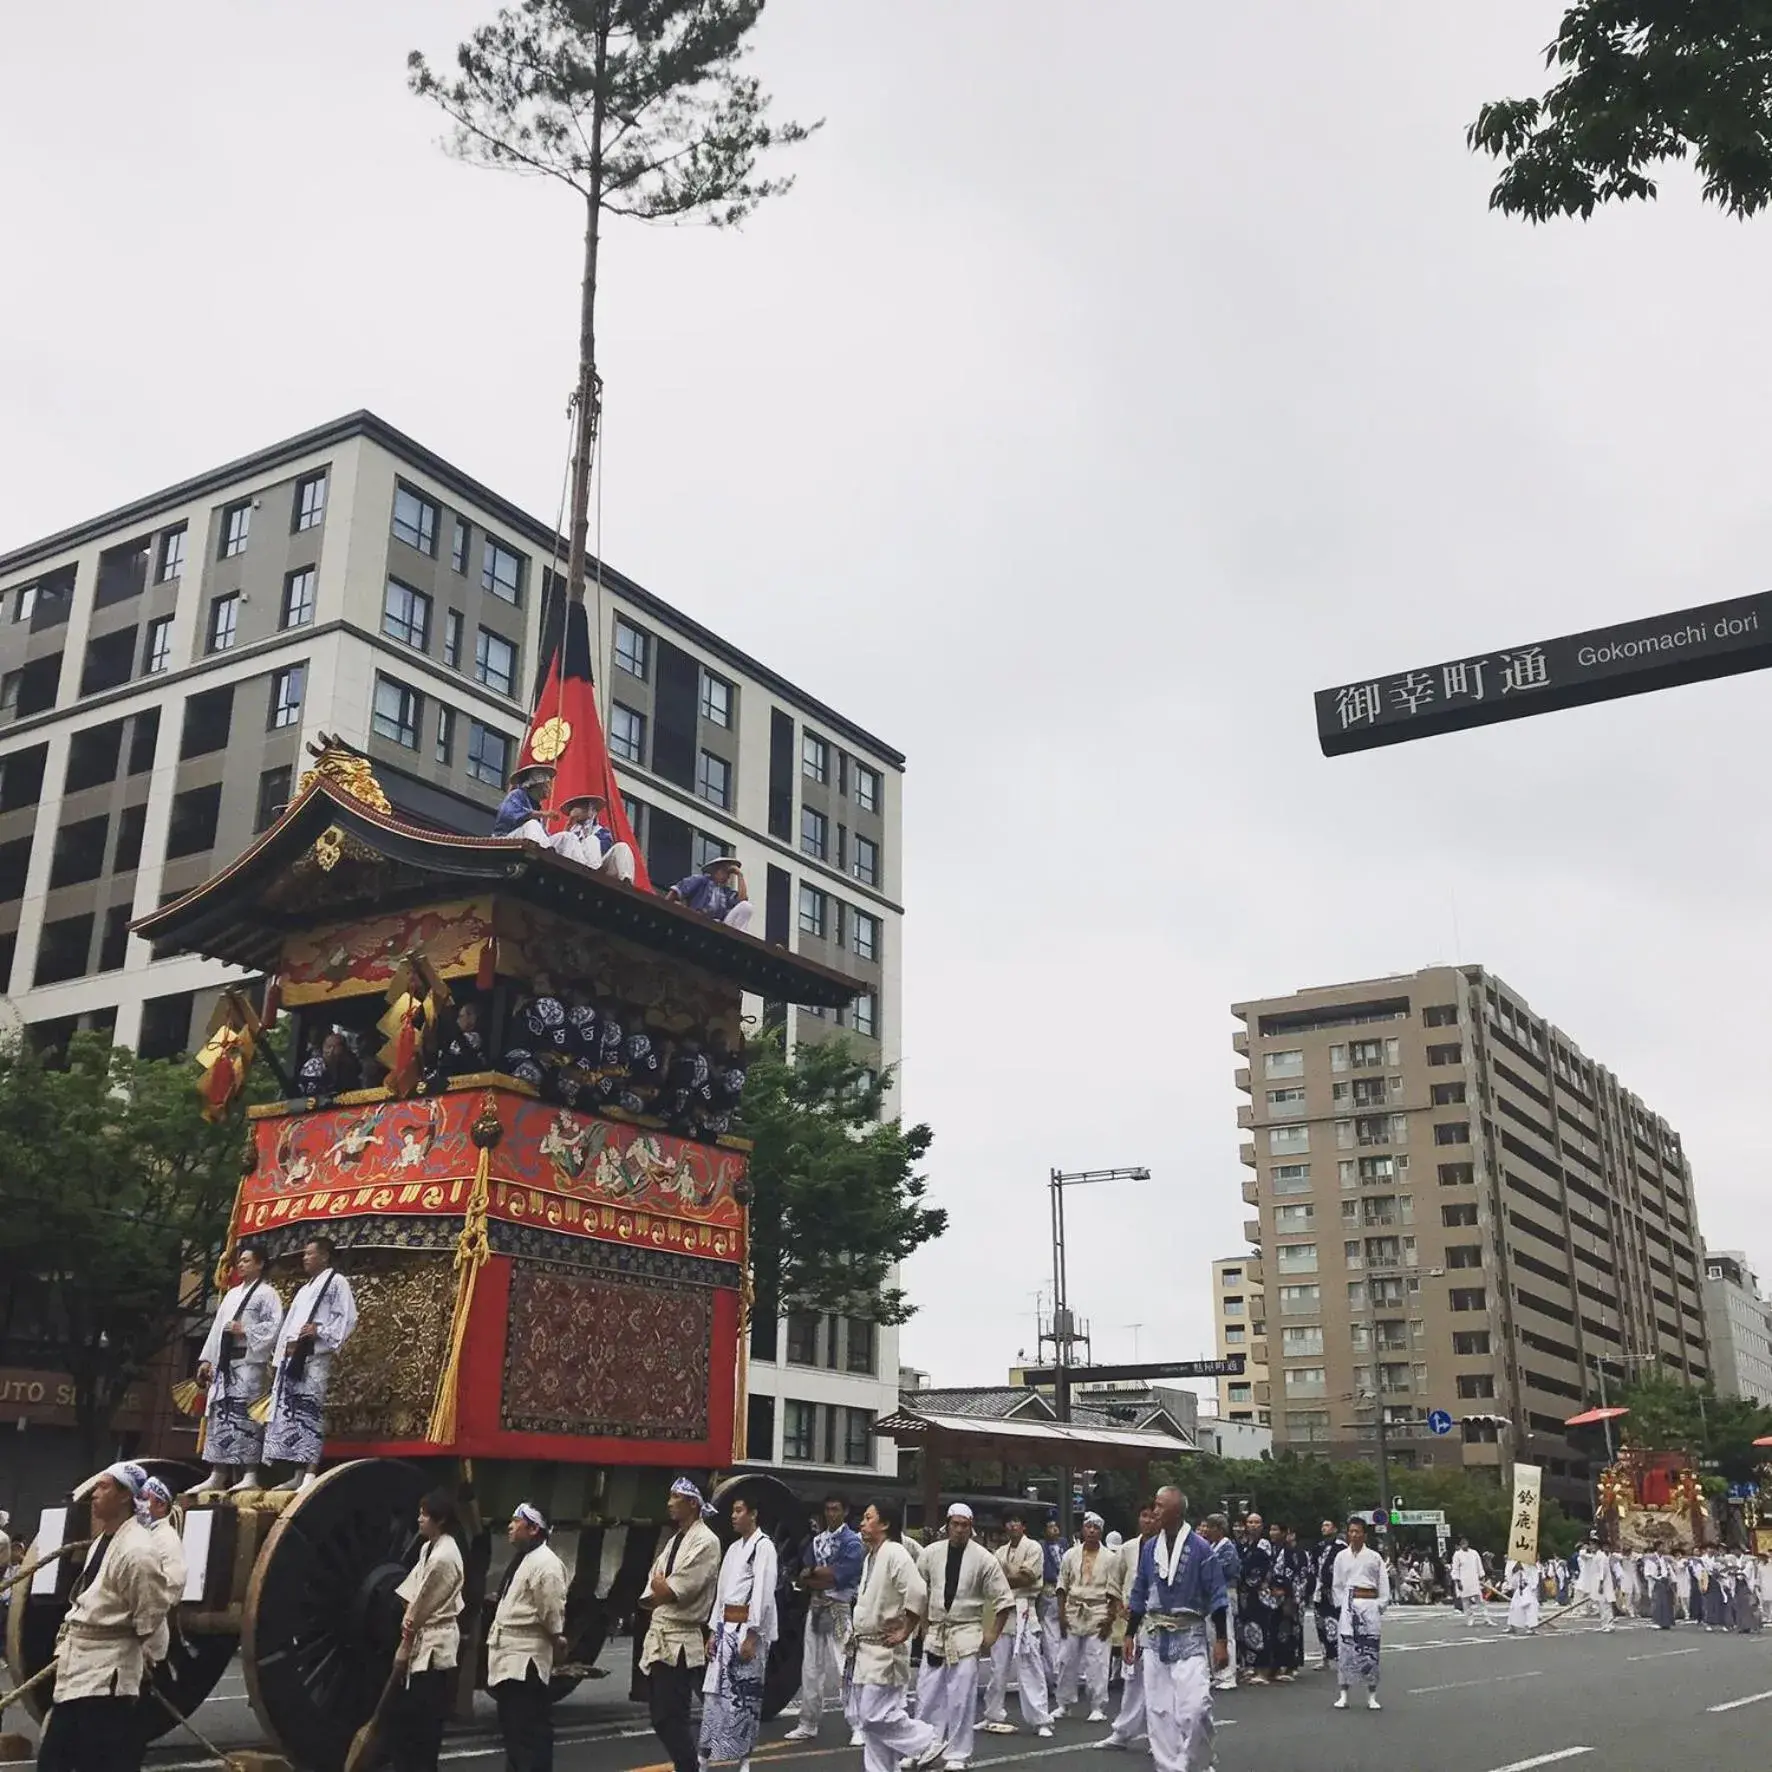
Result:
1593,1417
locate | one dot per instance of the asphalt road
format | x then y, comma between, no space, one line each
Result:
1455,1699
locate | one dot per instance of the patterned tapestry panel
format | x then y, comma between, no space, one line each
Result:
612,1358
386,1377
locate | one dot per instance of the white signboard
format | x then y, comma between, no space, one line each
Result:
51,1530
198,1526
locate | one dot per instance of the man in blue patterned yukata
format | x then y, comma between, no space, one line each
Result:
830,1580
1177,1600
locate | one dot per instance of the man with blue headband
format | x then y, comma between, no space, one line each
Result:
679,1594
527,1633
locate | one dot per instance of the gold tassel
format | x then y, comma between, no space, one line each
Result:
472,1252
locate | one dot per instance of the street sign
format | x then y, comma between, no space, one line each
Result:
1380,1517
1230,1367
1630,658
1419,1516
1440,1422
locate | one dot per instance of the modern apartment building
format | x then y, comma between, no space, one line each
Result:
162,667
1459,1211
1239,1322
1740,1322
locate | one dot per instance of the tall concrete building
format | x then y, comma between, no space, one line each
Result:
1740,1323
1459,1211
1239,1323
162,667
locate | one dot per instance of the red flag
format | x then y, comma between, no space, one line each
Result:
566,732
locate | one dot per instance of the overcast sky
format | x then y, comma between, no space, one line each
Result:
1095,397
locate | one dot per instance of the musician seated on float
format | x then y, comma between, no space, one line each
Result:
718,891
588,840
520,812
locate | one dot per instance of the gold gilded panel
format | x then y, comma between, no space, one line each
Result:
386,1377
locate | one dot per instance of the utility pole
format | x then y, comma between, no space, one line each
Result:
1064,1333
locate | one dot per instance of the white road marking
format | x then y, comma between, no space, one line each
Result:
1737,1703
1662,1654
1562,1753
1453,1685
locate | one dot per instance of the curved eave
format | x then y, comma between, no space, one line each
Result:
229,917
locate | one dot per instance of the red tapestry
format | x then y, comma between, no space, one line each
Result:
622,1359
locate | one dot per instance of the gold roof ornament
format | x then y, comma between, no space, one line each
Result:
335,761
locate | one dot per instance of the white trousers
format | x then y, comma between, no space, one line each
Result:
739,917
1599,1604
889,1733
1085,1664
1225,1678
947,1700
1178,1704
1131,1723
1023,1647
1476,1610
821,1674
1051,1637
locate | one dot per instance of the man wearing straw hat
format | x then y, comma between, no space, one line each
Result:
718,891
588,840
520,1648
118,1605
520,812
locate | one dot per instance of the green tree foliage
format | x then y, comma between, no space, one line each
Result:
1667,1416
114,1198
838,1199
641,107
1643,82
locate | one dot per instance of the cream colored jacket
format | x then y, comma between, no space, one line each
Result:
432,1592
104,1638
530,1615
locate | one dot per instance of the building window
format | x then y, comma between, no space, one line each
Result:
867,788
861,1015
209,719
191,828
1464,1255
858,1436
859,1354
1235,1334
1457,1174
632,648
1470,1341
815,912
713,779
1301,1342
79,852
495,661
415,520
1462,1215
1231,1276
1300,1301
866,864
627,733
452,639
1447,1094
1285,1104
815,833
1468,1298
1288,1139
803,1337
815,758
1289,1063
705,851
1290,1178
865,935
1296,1258
273,796
489,754
799,1431
62,948
172,556
298,598
286,693
1453,1054
1233,1307
236,525
406,615
1440,1015
398,711
502,573
310,501
458,551
1475,1384
93,755
1452,1132
224,623
1293,1218
110,661
716,699
1304,1381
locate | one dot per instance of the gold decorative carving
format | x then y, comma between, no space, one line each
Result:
385,1381
328,847
336,762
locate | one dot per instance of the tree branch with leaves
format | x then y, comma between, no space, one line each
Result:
640,107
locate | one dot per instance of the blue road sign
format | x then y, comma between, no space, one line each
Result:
1440,1422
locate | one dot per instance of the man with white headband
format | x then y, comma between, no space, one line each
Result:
1131,1725
526,1635
678,1594
1087,1603
154,1510
966,1606
1021,1643
741,1626
118,1604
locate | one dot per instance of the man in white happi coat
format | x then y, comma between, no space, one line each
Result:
1361,1586
117,1608
829,1583
1177,1601
1467,1584
1522,1597
741,1627
1129,1722
679,1592
1087,1603
235,1369
877,1674
155,1512
1020,1643
967,1603
1627,1583
317,1324
528,1623
1594,1589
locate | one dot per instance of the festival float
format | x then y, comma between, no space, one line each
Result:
544,1220
1648,1499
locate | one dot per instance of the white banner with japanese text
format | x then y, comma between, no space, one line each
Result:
1522,1542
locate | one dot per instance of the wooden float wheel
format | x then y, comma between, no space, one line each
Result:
321,1620
193,1665
781,1515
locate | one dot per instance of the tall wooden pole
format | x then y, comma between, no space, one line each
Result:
589,385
